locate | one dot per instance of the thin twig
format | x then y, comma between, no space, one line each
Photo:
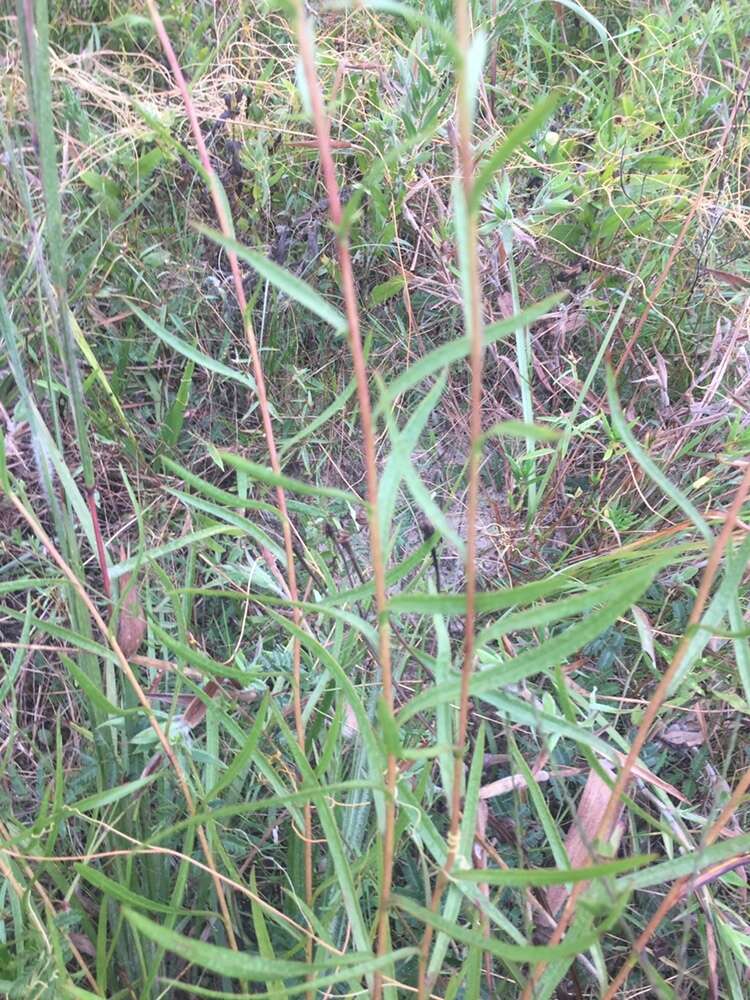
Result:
226,228
349,292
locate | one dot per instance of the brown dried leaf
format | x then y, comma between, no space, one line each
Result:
131,627
583,831
195,712
504,785
682,734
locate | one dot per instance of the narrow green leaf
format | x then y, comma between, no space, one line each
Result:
424,500
647,463
690,863
282,279
454,898
552,832
242,760
153,555
176,414
542,657
92,690
538,877
110,795
265,475
386,290
265,946
191,352
243,965
228,499
221,513
195,658
571,945
121,893
403,444
311,426
286,799
518,429
460,348
391,740
543,110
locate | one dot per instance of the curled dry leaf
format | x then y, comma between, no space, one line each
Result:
583,831
504,785
131,626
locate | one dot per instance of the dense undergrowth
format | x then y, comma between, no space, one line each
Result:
296,702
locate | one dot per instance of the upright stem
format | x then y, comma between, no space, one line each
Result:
349,292
473,320
226,228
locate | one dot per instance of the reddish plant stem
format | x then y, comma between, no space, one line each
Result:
351,307
225,225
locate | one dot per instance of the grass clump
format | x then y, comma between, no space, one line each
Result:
373,501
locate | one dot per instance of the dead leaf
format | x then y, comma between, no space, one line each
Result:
645,632
738,281
582,833
504,785
131,626
682,734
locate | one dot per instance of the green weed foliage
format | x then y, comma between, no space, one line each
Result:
154,789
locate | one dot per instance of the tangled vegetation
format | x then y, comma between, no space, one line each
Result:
373,520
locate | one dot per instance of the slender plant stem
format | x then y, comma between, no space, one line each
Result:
225,225
474,332
349,292
604,830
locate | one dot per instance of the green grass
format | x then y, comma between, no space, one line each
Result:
606,195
